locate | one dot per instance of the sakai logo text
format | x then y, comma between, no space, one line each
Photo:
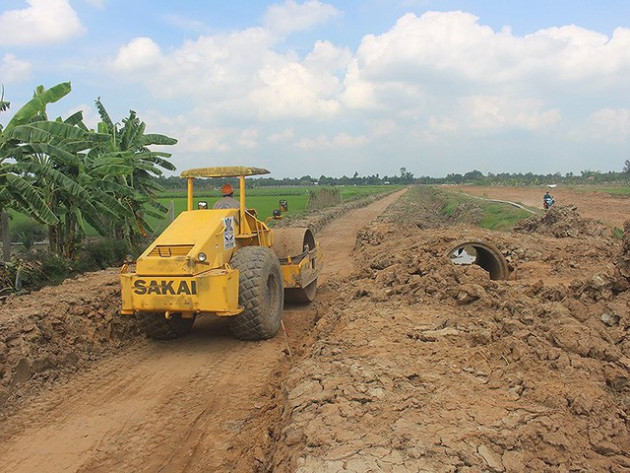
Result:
142,287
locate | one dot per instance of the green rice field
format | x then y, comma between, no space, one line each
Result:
264,200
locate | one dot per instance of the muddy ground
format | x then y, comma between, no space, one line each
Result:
404,362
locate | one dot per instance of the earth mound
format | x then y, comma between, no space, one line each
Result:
60,329
562,222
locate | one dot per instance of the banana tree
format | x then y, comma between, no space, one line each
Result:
18,187
40,161
127,161
51,155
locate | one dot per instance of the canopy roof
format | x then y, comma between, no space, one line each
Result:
224,171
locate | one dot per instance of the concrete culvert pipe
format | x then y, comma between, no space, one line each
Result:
483,254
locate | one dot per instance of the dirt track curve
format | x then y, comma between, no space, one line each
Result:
597,205
203,403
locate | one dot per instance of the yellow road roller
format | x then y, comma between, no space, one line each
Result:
221,261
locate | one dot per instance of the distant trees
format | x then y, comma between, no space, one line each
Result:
471,177
626,167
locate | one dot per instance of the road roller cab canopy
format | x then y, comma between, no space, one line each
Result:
224,171
221,171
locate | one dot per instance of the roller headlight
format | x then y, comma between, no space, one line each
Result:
202,257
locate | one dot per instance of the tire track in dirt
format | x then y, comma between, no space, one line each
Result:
339,237
206,402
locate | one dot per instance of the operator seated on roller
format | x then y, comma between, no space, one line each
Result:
228,201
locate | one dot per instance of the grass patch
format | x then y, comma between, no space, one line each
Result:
264,200
501,217
489,215
451,206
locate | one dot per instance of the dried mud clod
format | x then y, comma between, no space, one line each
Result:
59,330
562,222
623,263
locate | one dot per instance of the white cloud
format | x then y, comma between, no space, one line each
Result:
13,69
282,136
294,91
248,138
326,57
451,49
443,125
323,142
430,83
201,139
240,74
139,54
382,127
609,125
498,112
358,92
213,67
42,22
291,16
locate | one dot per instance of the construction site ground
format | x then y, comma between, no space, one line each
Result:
405,362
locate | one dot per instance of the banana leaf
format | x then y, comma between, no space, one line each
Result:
38,104
29,197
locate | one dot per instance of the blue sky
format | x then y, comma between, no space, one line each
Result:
315,87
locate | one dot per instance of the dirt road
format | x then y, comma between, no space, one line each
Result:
204,403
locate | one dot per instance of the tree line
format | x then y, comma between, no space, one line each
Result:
67,176
405,178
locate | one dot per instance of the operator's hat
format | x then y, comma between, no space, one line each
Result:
227,189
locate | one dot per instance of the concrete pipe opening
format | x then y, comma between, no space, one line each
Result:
483,254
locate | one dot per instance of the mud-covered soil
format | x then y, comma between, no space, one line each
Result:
404,362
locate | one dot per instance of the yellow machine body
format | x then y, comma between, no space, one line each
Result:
187,270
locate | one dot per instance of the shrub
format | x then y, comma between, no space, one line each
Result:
34,270
322,198
27,232
102,253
